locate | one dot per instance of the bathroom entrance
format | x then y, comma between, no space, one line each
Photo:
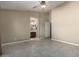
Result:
33,27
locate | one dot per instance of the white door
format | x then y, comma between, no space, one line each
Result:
47,29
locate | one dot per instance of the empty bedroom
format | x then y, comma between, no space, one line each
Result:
39,28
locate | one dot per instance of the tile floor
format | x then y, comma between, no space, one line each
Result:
40,48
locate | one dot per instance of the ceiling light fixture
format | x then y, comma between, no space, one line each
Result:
43,6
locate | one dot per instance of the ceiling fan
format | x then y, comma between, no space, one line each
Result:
42,4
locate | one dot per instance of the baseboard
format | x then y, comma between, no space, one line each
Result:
15,42
66,42
31,40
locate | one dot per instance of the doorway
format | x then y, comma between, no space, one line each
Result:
33,27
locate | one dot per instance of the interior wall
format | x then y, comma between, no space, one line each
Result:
65,22
15,25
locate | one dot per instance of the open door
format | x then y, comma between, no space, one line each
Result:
47,29
33,27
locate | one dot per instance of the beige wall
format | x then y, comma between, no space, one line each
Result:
15,25
65,22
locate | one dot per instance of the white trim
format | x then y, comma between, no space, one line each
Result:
66,42
16,42
36,40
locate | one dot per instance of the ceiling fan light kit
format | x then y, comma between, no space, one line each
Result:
43,6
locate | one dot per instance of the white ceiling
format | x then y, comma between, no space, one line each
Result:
28,5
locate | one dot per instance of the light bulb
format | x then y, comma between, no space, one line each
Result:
43,6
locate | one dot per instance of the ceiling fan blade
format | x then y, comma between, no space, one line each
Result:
35,6
40,3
